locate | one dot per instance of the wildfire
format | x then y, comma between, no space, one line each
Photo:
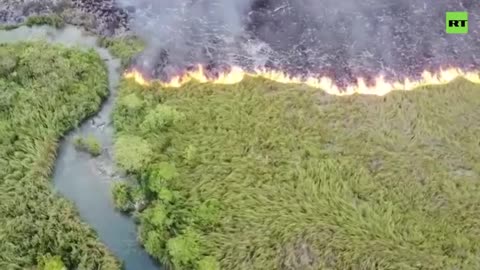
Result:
380,87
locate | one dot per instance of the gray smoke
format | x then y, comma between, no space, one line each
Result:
343,39
187,32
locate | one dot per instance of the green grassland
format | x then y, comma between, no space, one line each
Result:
45,91
262,175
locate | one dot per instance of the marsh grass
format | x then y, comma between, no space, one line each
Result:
45,91
262,175
52,20
124,48
8,27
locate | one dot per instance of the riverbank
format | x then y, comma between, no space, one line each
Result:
262,175
45,91
84,180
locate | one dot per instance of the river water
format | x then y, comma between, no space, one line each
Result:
84,180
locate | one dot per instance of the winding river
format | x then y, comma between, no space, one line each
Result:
84,180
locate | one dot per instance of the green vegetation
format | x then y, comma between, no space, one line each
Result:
262,175
45,91
124,48
89,144
128,196
53,20
52,263
122,196
8,27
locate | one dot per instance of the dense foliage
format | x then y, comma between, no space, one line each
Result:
45,90
261,175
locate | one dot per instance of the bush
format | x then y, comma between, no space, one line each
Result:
160,175
184,250
52,263
90,144
161,118
122,196
132,153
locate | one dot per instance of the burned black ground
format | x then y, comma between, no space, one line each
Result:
340,39
100,17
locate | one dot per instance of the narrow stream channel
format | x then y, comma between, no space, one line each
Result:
84,180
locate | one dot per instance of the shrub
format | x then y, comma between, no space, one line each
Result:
90,144
161,118
132,153
52,263
184,250
122,196
160,175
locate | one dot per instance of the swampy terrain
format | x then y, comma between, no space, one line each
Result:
47,90
256,175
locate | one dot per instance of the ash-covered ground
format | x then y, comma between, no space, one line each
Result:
102,17
343,39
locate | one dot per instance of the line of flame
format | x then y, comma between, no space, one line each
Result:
380,88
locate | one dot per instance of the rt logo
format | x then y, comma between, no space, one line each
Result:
456,22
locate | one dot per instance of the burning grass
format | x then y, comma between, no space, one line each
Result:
45,90
380,86
262,175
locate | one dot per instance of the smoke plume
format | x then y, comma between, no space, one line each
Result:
343,39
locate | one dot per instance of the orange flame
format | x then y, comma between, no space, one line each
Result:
380,88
